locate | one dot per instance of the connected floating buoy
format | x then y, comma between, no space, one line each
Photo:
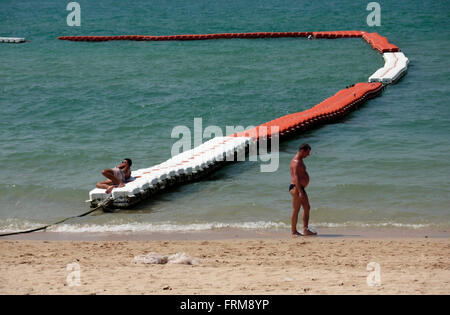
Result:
12,40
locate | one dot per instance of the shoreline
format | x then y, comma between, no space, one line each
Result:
236,233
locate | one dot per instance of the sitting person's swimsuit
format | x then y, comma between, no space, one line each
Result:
119,174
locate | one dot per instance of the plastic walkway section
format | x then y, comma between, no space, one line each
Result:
395,66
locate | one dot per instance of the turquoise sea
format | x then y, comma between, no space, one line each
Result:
70,109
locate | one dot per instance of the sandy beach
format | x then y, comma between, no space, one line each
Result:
164,149
231,262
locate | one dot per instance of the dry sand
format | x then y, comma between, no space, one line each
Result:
234,266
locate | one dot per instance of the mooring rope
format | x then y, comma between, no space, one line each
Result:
101,205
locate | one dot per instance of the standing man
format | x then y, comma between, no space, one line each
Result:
299,181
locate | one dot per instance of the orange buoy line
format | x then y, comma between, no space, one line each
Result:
333,34
338,34
186,37
377,41
331,109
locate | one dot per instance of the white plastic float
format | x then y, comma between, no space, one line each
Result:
182,168
12,40
395,66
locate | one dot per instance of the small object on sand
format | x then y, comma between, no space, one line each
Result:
155,258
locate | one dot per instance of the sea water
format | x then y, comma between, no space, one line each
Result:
70,109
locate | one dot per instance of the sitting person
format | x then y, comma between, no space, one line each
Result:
117,176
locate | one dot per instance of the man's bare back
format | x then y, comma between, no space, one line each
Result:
299,180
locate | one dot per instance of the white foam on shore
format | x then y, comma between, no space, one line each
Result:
11,225
14,225
166,227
